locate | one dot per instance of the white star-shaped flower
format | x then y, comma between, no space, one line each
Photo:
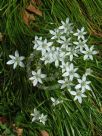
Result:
16,60
66,26
55,101
71,52
88,71
89,52
80,33
65,42
44,46
83,84
56,34
71,72
37,42
80,44
66,83
47,58
78,95
37,77
43,118
36,115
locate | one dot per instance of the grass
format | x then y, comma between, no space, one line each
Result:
18,97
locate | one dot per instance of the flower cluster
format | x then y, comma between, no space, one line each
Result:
38,117
63,50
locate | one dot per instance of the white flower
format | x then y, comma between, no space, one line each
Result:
89,52
47,58
88,71
80,44
44,46
71,72
36,42
37,77
64,66
78,95
36,115
66,83
71,53
16,60
80,33
56,34
43,118
55,101
66,26
83,84
65,42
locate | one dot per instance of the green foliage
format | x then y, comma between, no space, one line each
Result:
18,97
5,131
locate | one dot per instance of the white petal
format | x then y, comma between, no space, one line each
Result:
43,75
76,75
33,73
88,87
52,32
75,69
91,57
61,27
61,81
16,53
88,82
63,86
73,92
79,80
85,57
78,86
33,119
21,64
84,78
83,95
56,63
65,74
35,82
76,43
71,77
80,99
15,65
31,78
92,47
50,43
94,52
71,57
52,99
10,62
40,81
75,98
22,58
71,66
39,71
12,57
76,34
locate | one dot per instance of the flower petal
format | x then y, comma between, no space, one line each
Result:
16,53
10,62
73,92
15,65
78,86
